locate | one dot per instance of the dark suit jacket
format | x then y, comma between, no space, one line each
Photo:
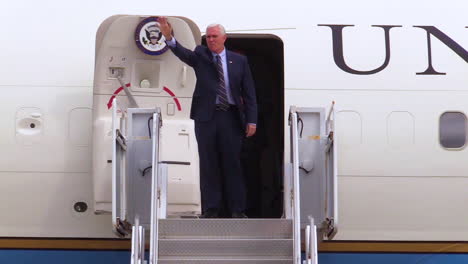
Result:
204,96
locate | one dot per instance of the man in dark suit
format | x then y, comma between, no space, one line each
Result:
224,109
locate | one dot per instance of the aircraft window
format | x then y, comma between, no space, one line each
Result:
452,130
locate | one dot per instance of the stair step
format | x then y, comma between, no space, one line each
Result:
226,260
225,228
223,247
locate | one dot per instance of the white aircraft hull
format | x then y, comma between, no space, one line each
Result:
394,184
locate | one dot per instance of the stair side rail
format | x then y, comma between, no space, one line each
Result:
137,255
156,197
295,188
119,148
307,245
330,228
313,243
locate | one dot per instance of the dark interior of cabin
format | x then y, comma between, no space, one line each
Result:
262,154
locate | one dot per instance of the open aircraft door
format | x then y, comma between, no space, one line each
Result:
314,163
135,164
135,66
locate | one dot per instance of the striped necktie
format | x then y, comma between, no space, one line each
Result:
223,102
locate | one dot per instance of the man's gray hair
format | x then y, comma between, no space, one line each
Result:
221,28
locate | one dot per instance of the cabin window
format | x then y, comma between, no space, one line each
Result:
452,130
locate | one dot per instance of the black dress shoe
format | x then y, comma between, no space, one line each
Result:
238,215
210,213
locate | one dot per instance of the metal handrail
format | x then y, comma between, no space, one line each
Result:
313,242
134,245
296,192
155,194
330,149
329,117
141,243
114,158
131,98
135,251
137,255
307,244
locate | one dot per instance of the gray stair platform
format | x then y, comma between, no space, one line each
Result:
222,241
225,228
225,260
224,247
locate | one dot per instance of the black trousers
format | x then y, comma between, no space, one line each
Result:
219,145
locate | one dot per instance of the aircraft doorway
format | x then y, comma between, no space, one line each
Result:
262,155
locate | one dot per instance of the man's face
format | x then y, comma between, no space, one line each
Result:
215,39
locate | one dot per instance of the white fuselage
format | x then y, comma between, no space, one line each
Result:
396,181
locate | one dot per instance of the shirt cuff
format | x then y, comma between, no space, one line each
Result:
171,43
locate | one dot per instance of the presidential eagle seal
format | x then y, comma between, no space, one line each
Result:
149,37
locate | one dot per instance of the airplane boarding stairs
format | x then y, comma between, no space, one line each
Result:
190,240
245,241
